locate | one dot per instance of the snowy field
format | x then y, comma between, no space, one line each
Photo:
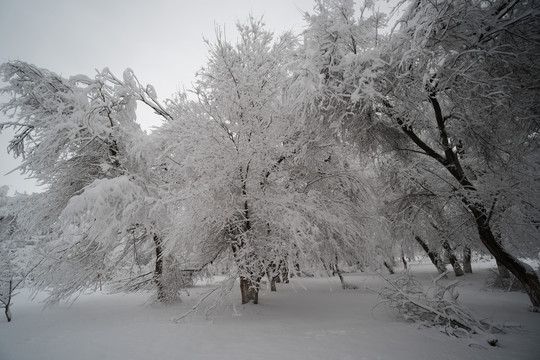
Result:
310,318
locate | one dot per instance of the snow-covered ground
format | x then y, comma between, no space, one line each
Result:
310,318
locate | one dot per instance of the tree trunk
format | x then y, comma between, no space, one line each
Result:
273,283
521,270
249,291
273,275
158,270
297,269
404,262
7,303
458,271
503,271
338,272
467,268
8,314
248,288
433,256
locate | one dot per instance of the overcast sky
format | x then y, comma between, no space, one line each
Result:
161,40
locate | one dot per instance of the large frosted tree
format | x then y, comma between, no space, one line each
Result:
455,85
256,185
461,86
79,138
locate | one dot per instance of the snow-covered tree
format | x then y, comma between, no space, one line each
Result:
455,85
460,87
339,64
423,211
254,186
79,137
15,248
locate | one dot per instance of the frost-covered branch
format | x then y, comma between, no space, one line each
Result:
435,307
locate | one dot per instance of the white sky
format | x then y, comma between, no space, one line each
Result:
161,40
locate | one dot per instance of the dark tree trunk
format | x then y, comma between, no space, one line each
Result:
458,271
433,256
404,262
273,283
158,270
249,291
338,272
522,271
7,303
8,313
503,271
467,268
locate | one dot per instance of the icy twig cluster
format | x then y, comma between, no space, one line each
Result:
436,306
